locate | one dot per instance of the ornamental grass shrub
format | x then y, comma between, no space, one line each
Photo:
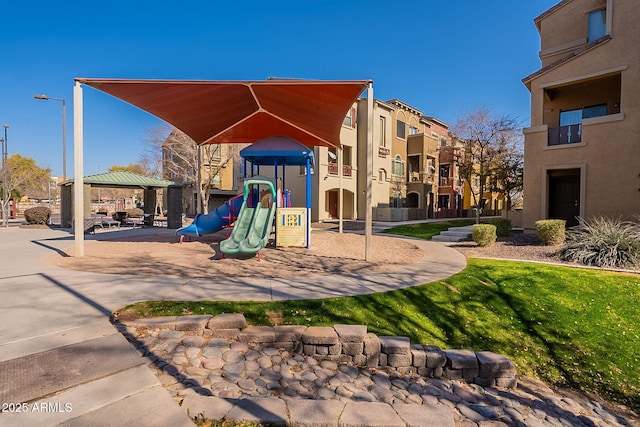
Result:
37,215
603,242
551,231
483,234
503,226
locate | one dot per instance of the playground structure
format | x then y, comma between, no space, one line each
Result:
252,216
293,226
222,217
254,224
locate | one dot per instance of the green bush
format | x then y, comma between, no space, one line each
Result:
37,215
603,242
483,234
551,231
503,226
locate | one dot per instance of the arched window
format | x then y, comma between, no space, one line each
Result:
397,166
382,175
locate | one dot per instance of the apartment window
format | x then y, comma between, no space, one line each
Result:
413,130
570,130
346,155
347,119
303,170
443,201
443,142
383,131
597,24
350,118
594,111
444,175
332,154
571,117
401,129
397,166
430,168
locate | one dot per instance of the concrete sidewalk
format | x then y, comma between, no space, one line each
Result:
66,364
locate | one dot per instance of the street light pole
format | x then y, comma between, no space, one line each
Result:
64,131
5,183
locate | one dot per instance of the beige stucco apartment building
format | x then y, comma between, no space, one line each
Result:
381,172
582,150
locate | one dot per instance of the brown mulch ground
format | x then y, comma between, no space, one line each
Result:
163,255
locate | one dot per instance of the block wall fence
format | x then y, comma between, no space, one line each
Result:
351,344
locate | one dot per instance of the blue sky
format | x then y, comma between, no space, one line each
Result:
440,57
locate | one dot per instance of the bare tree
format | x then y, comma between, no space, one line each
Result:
508,173
180,158
486,140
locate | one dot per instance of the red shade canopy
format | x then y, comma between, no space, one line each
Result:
214,112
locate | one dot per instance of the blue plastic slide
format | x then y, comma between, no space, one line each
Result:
223,216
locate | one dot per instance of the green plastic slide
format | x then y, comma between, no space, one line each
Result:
253,227
231,245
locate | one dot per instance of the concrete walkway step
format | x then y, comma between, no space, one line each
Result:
131,397
38,375
454,234
92,382
306,412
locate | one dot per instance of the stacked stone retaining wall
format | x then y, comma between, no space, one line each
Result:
352,344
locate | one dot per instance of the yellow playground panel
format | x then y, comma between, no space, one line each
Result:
291,227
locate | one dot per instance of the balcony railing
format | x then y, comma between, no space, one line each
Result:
333,169
565,134
444,181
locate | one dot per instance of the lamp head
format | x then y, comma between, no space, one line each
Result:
45,97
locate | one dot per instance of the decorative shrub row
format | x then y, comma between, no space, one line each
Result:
483,234
503,226
551,231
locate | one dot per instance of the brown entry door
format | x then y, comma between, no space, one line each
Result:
564,195
333,204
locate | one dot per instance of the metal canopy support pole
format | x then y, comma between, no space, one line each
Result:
276,201
368,213
284,186
340,195
199,201
5,186
308,200
78,182
64,140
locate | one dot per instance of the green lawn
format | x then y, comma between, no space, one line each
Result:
427,230
570,327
